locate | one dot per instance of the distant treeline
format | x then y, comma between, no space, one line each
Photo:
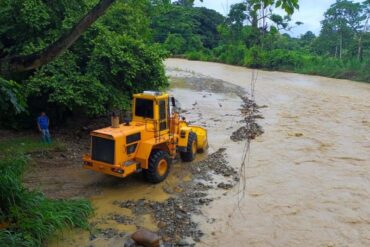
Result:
255,39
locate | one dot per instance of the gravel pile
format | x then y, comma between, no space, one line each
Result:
251,129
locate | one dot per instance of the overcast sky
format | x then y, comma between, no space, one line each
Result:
310,12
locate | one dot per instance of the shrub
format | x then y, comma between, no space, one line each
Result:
32,217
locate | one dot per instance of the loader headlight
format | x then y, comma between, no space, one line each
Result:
130,149
117,170
87,163
128,163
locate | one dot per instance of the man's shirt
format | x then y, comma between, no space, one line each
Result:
43,122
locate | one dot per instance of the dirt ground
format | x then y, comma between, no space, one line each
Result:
305,182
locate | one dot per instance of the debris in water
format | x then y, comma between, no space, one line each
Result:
225,186
251,130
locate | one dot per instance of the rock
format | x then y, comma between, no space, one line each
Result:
161,224
225,186
183,242
146,238
129,242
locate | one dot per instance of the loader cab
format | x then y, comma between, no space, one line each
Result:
152,108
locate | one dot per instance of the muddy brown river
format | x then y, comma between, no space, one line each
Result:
307,177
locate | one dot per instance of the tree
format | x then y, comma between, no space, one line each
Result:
19,63
185,3
235,19
343,22
259,15
111,60
187,23
261,10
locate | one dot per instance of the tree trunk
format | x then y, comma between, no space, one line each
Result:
340,46
359,51
13,64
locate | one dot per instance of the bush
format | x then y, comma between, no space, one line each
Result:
202,55
175,44
230,54
254,58
32,217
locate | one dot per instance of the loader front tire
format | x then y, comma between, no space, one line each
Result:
191,149
159,166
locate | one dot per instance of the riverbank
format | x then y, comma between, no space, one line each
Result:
293,62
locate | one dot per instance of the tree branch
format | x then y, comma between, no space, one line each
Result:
20,63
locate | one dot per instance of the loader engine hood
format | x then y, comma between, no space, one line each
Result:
108,145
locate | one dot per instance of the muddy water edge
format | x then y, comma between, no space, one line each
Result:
174,208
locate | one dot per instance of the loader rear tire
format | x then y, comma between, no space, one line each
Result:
191,149
159,166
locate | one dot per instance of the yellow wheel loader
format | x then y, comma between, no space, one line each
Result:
148,143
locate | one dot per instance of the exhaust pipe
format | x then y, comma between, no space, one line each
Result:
115,120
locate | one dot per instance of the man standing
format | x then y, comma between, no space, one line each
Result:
43,125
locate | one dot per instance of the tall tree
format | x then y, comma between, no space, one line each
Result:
343,23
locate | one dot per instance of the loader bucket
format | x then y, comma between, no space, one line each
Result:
202,140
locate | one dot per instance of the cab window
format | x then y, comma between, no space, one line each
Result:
162,115
144,108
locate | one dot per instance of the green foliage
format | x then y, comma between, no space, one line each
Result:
289,6
202,55
12,99
32,217
254,57
113,59
341,28
61,84
231,54
30,25
126,64
196,27
175,44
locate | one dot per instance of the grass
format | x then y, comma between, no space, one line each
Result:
29,145
31,218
